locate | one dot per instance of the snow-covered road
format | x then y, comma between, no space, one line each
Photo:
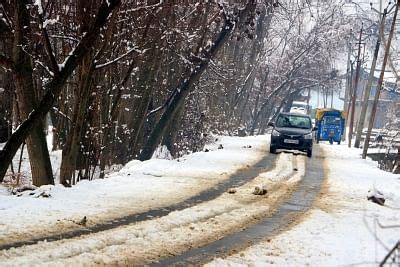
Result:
343,228
337,229
155,238
137,188
150,240
291,209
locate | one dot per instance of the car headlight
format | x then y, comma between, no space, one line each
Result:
308,136
275,133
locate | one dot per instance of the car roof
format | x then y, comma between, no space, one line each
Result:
300,102
295,114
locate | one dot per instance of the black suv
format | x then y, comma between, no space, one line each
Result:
292,131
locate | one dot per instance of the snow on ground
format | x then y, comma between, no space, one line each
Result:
145,241
138,187
22,162
343,228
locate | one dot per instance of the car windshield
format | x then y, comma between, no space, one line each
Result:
293,121
332,120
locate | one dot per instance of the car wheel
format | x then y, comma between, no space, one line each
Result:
272,149
309,153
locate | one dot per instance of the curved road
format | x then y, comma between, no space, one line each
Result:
298,203
294,182
239,178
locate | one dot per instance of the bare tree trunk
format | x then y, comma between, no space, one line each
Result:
72,145
36,141
147,88
107,118
171,133
55,86
186,84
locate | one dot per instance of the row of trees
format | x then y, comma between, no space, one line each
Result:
117,79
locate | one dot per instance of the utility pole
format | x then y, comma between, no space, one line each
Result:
380,83
348,83
354,96
351,88
367,90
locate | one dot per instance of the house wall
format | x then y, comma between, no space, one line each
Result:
386,100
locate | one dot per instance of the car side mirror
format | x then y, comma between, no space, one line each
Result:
315,128
270,123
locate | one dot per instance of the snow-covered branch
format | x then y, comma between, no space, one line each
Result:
115,60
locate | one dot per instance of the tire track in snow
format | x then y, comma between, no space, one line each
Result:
241,177
143,242
299,202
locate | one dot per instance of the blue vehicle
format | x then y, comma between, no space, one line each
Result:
330,123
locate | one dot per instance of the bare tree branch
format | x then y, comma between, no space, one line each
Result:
55,86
